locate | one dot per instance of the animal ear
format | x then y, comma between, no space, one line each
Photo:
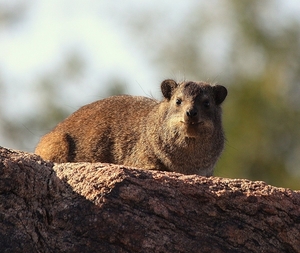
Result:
167,88
220,93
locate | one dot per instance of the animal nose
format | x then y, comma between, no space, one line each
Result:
191,113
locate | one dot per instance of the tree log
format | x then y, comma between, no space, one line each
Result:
85,207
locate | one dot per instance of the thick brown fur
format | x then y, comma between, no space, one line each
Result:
182,133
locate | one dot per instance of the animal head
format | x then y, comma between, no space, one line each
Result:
193,107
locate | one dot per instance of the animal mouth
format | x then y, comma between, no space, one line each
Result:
192,123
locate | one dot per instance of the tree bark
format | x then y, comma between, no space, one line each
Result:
85,207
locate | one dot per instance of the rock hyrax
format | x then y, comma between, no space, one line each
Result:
181,133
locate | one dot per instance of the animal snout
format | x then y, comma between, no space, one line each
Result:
191,113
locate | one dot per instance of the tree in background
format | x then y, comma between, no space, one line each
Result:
52,106
263,116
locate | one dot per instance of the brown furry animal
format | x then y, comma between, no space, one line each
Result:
182,133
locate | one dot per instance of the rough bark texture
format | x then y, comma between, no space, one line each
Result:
87,207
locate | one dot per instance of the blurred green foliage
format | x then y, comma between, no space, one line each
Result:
259,65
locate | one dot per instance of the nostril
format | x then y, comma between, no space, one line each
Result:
191,113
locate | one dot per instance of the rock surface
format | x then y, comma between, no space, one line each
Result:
84,207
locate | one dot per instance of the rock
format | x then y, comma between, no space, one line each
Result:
85,207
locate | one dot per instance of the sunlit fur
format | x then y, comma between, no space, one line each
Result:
181,133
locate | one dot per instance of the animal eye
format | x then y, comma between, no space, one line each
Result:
206,103
178,101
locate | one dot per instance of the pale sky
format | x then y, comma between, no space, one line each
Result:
53,29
